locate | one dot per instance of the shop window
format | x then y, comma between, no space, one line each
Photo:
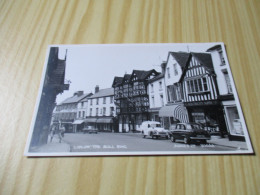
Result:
234,122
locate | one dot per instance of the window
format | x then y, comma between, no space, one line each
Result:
160,85
82,104
228,83
111,99
152,90
168,72
197,85
153,103
97,101
101,111
79,114
83,114
175,69
90,112
104,100
96,111
111,111
162,102
91,101
222,58
104,110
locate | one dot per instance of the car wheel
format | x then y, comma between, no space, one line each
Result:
186,140
173,139
151,134
144,136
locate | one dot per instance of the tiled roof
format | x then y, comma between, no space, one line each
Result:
127,77
103,93
214,48
74,99
156,78
205,59
142,74
181,57
117,80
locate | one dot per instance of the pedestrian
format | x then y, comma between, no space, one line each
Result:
59,130
62,130
52,131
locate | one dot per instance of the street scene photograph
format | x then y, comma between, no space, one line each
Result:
137,99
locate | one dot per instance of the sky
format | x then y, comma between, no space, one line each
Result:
91,65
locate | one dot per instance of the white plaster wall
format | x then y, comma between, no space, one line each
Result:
100,105
222,86
173,78
156,93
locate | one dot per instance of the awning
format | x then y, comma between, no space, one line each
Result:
177,111
77,122
90,120
105,120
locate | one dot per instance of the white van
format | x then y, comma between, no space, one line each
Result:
153,129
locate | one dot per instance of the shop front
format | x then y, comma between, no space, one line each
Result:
209,114
172,114
235,129
78,125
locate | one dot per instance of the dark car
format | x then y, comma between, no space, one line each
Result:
189,132
90,129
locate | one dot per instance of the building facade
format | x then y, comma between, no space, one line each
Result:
82,108
66,112
54,84
174,111
157,95
101,110
226,97
201,93
132,99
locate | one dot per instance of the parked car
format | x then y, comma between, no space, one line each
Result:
189,132
153,129
90,129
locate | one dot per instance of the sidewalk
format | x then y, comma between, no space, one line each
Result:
240,145
53,146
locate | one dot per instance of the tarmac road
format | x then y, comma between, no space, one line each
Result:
130,142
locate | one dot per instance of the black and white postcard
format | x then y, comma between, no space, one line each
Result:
137,99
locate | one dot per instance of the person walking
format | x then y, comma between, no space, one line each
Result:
52,132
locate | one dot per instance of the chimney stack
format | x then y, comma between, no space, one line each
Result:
163,66
96,89
78,93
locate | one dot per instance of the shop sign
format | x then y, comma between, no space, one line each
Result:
204,103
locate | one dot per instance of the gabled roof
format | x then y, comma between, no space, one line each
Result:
181,57
205,59
75,98
103,93
142,74
216,47
117,80
156,78
126,78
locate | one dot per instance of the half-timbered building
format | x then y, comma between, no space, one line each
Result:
200,93
174,111
131,99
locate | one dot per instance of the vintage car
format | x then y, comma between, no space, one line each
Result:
153,129
90,129
189,132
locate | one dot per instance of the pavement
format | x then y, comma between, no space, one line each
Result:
226,142
214,140
53,146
